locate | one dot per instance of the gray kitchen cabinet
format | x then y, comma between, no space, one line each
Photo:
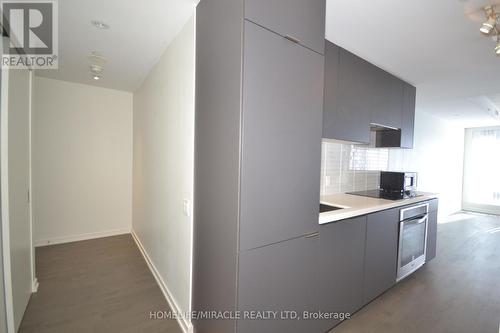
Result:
341,260
217,126
382,230
348,109
408,115
387,100
259,105
302,20
359,94
281,139
433,205
431,236
279,277
330,121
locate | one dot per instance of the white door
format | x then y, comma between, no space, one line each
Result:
15,200
481,191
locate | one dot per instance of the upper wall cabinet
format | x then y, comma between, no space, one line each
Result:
300,20
387,99
359,94
408,116
348,83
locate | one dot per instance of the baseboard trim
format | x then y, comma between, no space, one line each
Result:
76,238
185,324
34,286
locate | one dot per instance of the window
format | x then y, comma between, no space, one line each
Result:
482,170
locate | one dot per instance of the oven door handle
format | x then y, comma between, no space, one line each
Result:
416,220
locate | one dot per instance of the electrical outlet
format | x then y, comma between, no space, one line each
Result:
186,207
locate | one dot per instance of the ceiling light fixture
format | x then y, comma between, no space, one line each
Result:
96,71
100,24
491,20
490,27
96,58
97,62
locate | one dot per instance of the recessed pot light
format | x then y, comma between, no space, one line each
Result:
100,24
96,71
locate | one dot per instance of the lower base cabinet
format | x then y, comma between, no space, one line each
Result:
341,261
381,256
279,279
431,236
334,272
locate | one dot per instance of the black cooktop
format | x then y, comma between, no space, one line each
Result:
388,195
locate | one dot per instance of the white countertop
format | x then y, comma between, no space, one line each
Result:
355,205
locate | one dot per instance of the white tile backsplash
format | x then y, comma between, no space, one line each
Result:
347,167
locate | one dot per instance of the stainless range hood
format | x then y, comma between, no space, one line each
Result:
385,136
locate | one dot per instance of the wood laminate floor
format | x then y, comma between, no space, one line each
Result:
101,285
104,285
458,292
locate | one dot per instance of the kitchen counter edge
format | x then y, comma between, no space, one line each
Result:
364,205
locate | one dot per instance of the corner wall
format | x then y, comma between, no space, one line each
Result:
82,161
163,167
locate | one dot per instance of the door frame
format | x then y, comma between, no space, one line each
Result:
4,188
34,280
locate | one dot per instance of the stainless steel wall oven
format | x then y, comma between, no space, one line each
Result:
412,239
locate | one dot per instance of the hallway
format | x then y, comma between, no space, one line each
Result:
100,285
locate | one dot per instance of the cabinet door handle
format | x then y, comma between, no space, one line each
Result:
315,234
293,39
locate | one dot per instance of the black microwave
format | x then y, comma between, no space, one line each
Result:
398,181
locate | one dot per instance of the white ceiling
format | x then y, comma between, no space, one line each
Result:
436,45
140,32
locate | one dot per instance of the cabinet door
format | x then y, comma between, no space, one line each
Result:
331,95
431,236
303,20
351,120
279,277
341,260
408,115
382,230
281,139
387,100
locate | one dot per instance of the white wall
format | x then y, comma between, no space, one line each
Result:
82,161
163,165
438,159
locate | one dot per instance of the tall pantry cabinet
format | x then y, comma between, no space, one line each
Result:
259,109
